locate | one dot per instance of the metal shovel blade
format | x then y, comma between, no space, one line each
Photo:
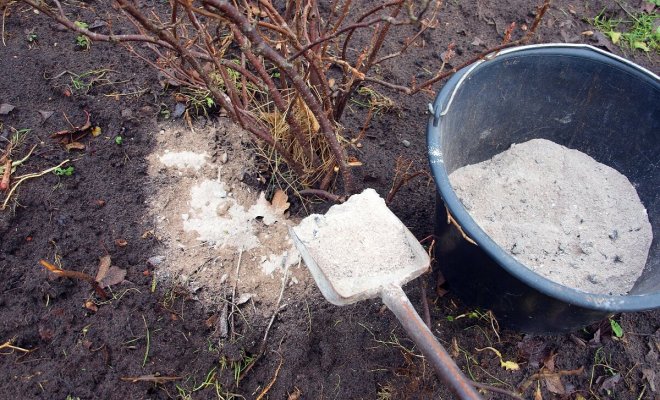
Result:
360,250
357,248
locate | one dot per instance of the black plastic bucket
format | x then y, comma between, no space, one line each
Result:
577,96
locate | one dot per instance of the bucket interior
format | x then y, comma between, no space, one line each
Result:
579,98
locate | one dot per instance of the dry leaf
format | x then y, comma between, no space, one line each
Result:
552,382
477,41
280,201
96,131
649,375
270,212
306,116
508,365
109,275
554,385
609,383
455,351
91,306
114,276
75,146
45,115
537,394
104,266
6,108
448,54
210,321
295,395
121,242
244,298
354,162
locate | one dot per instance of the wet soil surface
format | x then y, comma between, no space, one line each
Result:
130,345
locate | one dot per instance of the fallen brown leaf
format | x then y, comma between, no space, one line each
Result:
552,381
115,275
295,395
609,383
74,129
74,146
107,274
104,266
121,242
45,115
649,375
6,108
91,306
455,351
542,375
280,201
554,384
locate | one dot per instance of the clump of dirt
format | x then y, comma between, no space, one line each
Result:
561,213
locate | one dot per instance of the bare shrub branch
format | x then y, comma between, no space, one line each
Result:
269,65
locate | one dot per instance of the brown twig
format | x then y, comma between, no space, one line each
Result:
6,153
272,381
74,129
233,295
9,345
62,19
402,177
261,48
322,194
4,183
496,389
264,342
452,221
426,313
541,375
296,129
150,378
357,23
75,275
530,34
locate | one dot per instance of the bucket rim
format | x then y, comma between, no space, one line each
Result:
441,106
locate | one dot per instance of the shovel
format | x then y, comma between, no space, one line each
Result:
360,250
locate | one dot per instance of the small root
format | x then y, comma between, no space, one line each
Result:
451,220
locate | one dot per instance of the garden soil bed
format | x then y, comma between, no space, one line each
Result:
161,335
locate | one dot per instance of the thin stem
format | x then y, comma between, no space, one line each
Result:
262,48
323,194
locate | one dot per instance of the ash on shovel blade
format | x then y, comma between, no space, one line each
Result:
358,247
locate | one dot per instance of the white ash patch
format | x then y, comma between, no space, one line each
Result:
183,159
212,224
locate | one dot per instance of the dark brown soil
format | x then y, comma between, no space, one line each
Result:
314,349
